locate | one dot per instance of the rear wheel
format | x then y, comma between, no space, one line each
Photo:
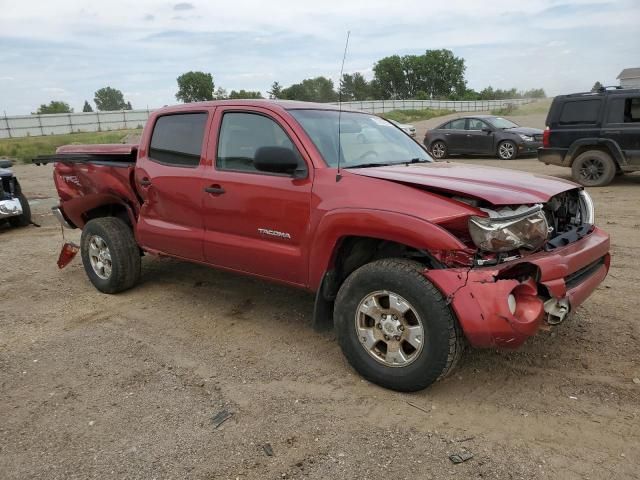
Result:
439,149
110,255
593,168
507,150
394,326
25,218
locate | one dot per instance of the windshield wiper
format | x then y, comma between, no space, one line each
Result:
367,165
387,164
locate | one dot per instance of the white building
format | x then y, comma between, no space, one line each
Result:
630,78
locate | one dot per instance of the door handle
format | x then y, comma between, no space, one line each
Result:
145,182
215,189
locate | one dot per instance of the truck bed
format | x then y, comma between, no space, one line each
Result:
94,176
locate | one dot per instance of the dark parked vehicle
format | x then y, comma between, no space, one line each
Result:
14,207
596,134
482,135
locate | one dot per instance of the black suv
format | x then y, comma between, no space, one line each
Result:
596,134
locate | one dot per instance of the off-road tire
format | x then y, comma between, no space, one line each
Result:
601,160
444,340
124,251
440,147
514,150
25,218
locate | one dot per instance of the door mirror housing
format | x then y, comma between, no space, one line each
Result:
486,130
276,160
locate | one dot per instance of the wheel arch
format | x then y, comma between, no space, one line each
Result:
602,144
83,209
348,239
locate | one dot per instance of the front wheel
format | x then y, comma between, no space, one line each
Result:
394,327
110,255
507,150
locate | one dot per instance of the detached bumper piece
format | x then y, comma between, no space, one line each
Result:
10,208
506,304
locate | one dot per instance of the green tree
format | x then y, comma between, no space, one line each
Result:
108,99
276,91
245,94
596,86
354,87
389,78
436,74
536,93
319,89
195,87
87,107
54,107
128,106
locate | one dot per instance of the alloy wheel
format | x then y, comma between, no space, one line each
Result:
389,329
100,257
592,169
506,150
438,149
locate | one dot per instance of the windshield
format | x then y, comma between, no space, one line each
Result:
500,122
365,140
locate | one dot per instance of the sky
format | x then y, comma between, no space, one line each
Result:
67,49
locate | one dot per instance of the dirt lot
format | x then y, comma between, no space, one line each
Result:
97,386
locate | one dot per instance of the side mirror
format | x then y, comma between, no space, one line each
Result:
486,130
276,160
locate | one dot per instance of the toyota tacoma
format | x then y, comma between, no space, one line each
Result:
409,259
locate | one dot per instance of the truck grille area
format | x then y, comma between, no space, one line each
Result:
579,276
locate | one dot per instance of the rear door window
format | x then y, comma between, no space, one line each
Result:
177,139
580,112
624,110
456,124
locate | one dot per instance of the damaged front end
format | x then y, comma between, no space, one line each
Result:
533,266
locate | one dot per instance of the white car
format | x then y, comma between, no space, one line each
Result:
407,128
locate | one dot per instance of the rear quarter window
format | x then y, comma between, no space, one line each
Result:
580,112
177,139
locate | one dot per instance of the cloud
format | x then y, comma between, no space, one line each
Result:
248,44
183,6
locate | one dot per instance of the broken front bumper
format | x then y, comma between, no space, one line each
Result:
10,208
480,297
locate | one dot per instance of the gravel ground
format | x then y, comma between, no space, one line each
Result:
125,386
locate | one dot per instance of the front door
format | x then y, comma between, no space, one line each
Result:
169,178
455,135
255,221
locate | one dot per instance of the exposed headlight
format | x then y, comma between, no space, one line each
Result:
587,209
524,229
526,138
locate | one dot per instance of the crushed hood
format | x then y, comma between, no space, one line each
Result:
498,186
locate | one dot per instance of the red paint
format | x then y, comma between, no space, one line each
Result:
480,301
173,215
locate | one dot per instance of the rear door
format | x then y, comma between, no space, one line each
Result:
576,118
169,178
455,135
622,125
477,140
256,222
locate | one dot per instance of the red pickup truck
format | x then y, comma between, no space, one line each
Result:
409,258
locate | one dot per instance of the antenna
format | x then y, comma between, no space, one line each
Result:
346,45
